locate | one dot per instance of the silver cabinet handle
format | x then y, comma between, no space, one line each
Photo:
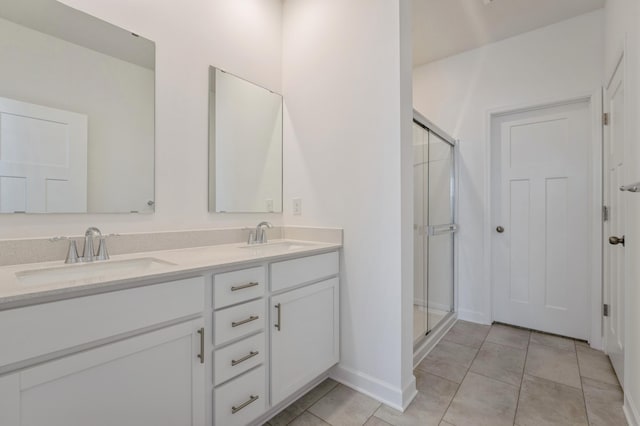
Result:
251,399
243,286
251,318
235,362
201,354
279,308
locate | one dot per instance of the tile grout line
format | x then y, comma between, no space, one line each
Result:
319,418
460,384
445,378
524,369
374,415
526,351
584,398
306,410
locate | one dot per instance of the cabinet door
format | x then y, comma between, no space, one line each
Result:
304,336
152,379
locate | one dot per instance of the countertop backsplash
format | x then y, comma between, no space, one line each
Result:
34,250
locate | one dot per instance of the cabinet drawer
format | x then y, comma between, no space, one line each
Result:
42,329
238,358
240,401
238,286
298,271
238,321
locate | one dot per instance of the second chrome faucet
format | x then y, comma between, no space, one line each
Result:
260,235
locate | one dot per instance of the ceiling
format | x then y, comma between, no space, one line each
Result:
61,21
443,28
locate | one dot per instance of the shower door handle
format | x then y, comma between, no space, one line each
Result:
448,228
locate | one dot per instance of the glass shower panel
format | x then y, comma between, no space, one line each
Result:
420,174
439,205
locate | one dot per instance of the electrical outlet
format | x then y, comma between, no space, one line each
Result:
269,205
297,206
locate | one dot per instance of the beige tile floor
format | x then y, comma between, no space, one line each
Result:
482,375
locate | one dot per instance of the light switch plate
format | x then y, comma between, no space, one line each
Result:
297,206
269,205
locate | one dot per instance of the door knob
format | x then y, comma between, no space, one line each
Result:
616,240
500,229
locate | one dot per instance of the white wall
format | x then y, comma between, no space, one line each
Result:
622,20
242,37
457,93
77,79
347,131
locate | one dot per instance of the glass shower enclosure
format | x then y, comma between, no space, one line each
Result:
434,226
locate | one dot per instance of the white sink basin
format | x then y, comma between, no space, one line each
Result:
281,246
100,270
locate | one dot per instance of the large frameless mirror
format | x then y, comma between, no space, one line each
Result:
245,146
76,112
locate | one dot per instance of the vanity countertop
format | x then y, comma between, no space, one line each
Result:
27,284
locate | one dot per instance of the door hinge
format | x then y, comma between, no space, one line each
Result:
605,310
605,119
605,213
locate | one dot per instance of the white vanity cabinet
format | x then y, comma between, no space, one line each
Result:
286,334
228,348
145,369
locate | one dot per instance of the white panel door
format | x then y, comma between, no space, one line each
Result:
152,379
614,255
43,159
304,336
540,244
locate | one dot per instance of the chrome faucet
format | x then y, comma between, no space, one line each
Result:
260,236
89,254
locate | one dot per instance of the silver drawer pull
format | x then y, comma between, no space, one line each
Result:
201,354
235,362
252,398
251,318
279,308
243,286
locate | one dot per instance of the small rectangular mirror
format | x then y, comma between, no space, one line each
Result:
245,146
77,112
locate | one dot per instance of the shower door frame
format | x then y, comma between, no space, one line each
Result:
431,338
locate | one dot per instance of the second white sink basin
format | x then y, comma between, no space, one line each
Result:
102,270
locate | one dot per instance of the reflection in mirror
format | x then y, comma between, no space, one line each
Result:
245,146
76,112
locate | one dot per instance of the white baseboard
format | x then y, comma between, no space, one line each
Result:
631,411
473,316
387,394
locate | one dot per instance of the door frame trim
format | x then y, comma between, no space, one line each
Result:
595,199
620,65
